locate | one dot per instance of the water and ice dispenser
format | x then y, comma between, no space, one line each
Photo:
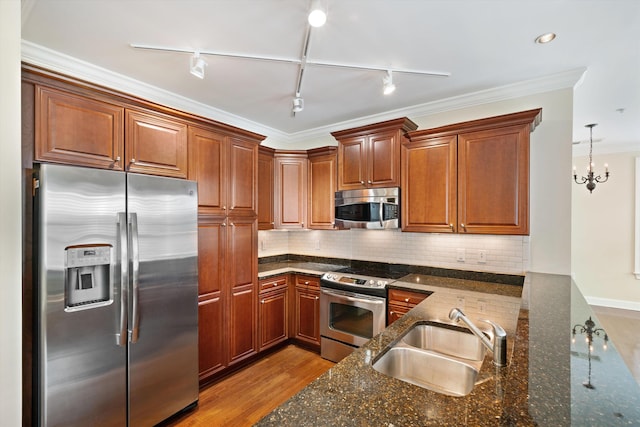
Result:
88,276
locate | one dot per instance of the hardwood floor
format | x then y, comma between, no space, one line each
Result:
623,328
251,393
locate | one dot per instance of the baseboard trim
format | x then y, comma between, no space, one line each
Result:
613,303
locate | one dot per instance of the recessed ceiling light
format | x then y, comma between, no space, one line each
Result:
545,38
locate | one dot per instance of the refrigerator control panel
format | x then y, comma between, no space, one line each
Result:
88,277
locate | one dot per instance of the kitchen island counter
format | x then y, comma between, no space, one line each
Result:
543,384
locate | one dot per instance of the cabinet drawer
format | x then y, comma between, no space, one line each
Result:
308,281
273,283
406,298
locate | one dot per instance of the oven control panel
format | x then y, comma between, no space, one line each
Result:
357,281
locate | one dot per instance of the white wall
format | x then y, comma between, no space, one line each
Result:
10,217
547,249
603,224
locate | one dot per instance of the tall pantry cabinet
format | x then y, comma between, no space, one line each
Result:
225,165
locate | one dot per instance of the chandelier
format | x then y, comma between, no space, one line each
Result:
591,177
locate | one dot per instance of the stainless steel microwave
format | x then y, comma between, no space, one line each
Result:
375,208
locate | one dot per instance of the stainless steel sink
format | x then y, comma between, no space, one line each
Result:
446,339
429,370
439,357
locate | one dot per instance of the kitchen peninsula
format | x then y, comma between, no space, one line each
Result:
549,381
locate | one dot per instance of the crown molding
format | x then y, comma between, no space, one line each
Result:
64,64
58,62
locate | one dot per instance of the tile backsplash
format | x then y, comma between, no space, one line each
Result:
502,254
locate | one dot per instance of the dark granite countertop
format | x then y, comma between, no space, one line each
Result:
541,386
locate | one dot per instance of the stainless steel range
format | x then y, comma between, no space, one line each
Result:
352,311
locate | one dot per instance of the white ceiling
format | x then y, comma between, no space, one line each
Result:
484,44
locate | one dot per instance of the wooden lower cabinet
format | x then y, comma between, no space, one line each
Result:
273,315
307,310
228,292
400,301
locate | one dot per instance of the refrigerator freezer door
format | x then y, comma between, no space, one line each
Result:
81,370
163,351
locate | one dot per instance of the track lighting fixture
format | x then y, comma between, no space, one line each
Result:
388,86
317,16
197,65
298,103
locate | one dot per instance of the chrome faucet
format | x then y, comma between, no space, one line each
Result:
499,346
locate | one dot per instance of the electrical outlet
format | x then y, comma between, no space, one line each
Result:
460,302
460,255
482,306
482,256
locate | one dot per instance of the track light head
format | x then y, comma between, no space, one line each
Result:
298,104
388,86
197,65
317,15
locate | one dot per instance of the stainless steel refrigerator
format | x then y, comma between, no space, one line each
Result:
117,290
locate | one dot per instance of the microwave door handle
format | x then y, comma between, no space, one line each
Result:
381,212
135,261
121,336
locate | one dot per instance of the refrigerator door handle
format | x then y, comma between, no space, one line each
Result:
135,272
121,336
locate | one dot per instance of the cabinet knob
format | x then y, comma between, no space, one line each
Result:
369,181
224,208
118,159
224,224
317,297
463,227
302,224
362,182
306,283
451,225
406,300
133,160
392,313
262,302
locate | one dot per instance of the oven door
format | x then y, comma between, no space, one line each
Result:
349,317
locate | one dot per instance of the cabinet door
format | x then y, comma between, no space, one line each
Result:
242,177
493,181
395,312
429,185
352,163
155,144
242,271
307,315
77,130
272,315
265,191
291,191
383,161
207,166
322,188
211,327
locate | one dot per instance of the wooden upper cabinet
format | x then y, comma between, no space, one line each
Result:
290,189
493,181
155,144
225,168
429,185
266,195
322,187
78,130
369,156
242,177
207,166
490,176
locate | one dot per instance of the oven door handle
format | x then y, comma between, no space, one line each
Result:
381,213
350,298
